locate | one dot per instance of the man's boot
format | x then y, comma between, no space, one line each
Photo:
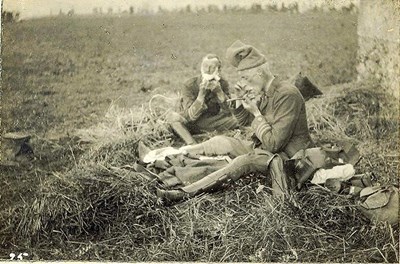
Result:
183,133
279,181
172,195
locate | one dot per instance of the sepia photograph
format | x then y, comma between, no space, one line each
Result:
256,131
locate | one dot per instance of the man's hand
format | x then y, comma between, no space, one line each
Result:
207,86
203,91
239,92
251,106
212,85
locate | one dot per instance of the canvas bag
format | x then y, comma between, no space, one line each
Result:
380,203
305,162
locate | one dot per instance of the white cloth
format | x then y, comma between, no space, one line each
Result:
341,172
160,154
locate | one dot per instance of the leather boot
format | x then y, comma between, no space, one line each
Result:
172,195
279,180
183,133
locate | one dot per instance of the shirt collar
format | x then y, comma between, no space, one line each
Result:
271,86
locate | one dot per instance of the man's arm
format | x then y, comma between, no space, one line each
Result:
243,116
274,134
192,104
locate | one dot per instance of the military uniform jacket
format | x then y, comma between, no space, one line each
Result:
282,127
191,109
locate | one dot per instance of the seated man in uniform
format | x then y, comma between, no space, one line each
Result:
276,113
203,105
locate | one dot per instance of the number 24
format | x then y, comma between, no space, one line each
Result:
19,257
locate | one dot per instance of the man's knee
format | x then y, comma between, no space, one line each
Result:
173,117
258,162
248,163
219,140
223,145
244,160
218,145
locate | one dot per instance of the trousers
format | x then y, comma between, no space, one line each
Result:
246,159
206,123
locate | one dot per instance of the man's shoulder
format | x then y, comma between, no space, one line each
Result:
289,90
286,87
192,82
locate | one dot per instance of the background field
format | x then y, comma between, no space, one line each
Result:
69,70
93,73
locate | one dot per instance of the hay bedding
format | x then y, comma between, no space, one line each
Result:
101,210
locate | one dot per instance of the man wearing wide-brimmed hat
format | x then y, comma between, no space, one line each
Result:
276,112
203,104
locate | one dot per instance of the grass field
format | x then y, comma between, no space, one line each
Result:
64,78
54,65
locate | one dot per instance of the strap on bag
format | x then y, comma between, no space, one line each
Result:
380,204
375,197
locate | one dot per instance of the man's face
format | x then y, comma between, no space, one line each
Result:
253,82
210,68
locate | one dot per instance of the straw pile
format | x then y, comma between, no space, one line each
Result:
101,210
346,112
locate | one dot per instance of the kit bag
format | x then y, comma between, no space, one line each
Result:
305,162
380,203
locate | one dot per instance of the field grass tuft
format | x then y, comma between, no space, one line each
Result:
102,210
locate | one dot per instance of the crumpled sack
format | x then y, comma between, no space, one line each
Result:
380,203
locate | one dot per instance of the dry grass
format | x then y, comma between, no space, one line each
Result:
354,112
100,210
